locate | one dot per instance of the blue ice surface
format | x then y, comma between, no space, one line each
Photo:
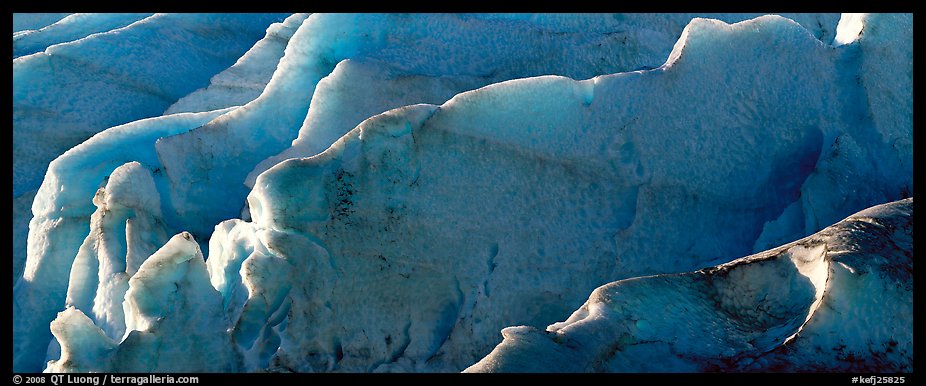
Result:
70,28
68,204
73,90
472,50
622,175
33,21
755,131
817,304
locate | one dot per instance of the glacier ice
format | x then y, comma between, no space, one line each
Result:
587,45
816,304
622,44
27,22
874,83
616,181
400,65
169,293
62,212
124,231
458,213
247,78
74,89
72,27
22,211
70,91
392,61
85,348
409,181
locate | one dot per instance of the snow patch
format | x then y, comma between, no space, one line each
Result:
849,28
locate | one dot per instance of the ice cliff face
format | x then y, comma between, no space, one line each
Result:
425,218
838,300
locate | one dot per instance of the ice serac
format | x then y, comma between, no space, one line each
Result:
85,348
124,231
840,300
169,294
247,78
273,308
72,90
70,28
514,201
244,78
62,211
173,319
